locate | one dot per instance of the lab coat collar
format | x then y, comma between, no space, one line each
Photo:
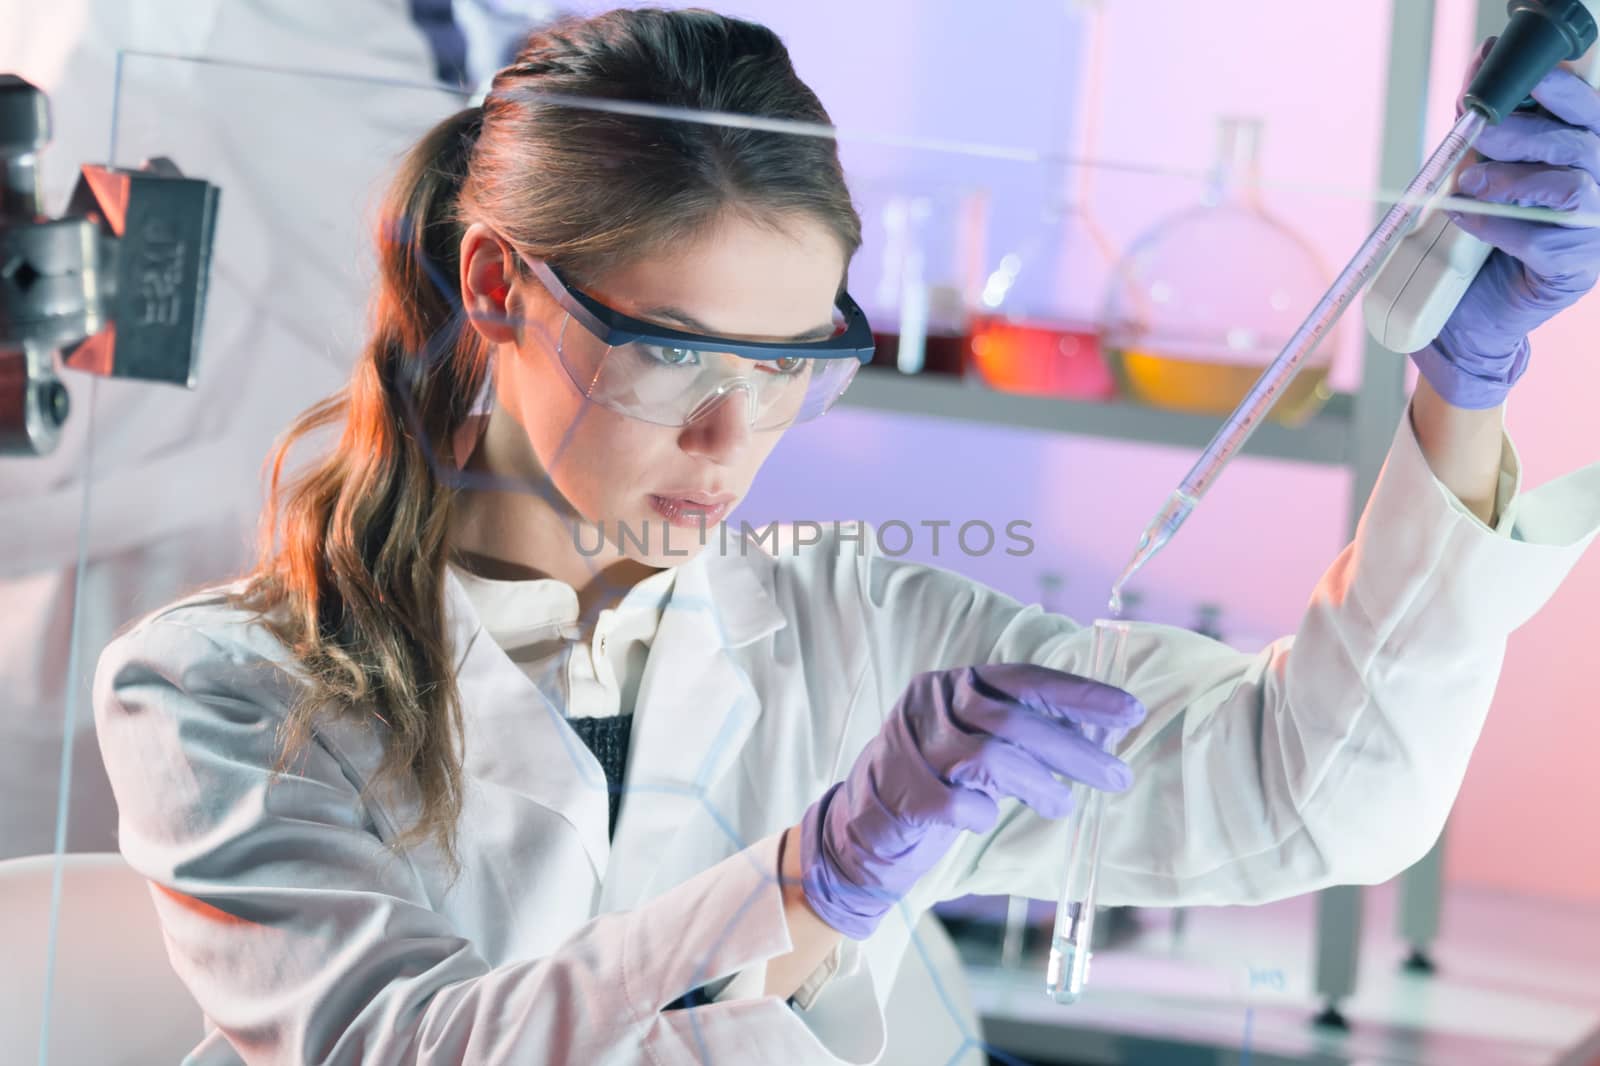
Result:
737,579
693,712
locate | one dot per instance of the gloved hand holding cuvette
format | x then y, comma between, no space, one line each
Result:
956,743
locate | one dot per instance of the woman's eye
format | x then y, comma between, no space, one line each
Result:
675,356
789,364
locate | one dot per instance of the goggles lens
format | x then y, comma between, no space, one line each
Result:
673,385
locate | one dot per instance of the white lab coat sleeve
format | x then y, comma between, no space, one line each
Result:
1332,756
305,940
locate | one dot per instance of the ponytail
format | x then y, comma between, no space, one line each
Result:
351,577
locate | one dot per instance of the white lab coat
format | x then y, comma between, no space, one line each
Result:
1329,757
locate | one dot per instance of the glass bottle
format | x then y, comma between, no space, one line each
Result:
1044,339
1036,323
930,237
1205,299
1208,620
1050,582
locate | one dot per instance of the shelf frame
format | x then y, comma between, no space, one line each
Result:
1325,439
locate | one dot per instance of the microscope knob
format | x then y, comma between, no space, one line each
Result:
54,403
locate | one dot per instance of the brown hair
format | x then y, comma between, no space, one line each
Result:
351,573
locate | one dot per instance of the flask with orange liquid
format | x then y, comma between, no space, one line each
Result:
1204,300
1035,327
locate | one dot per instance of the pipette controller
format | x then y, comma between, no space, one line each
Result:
1539,35
1432,267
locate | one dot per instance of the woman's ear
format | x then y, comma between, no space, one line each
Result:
486,276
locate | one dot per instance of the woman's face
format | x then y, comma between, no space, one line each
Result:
626,477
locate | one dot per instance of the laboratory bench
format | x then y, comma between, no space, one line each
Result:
1517,983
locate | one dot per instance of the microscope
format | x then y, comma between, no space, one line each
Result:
116,285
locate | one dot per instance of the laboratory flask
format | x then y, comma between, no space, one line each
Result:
1204,300
1036,322
1036,328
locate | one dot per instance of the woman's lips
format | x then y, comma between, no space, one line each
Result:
692,512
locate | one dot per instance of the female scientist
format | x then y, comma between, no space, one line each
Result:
450,778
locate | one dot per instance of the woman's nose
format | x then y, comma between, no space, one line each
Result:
720,428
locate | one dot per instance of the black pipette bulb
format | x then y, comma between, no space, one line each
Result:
1541,34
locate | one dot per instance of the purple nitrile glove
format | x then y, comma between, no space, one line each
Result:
956,742
1537,268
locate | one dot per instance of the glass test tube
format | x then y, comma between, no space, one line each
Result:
1070,946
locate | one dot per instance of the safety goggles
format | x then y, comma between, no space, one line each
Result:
671,378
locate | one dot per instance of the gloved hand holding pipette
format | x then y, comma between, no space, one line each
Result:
1531,160
1536,269
957,742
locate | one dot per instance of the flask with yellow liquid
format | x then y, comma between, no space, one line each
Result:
1204,300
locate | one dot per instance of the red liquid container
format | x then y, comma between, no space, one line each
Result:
1040,358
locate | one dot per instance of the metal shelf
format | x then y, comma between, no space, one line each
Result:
1325,439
